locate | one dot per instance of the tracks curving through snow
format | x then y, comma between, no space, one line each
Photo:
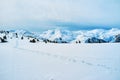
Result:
71,59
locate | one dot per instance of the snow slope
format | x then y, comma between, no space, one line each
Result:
40,61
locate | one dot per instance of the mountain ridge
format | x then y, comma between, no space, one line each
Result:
67,36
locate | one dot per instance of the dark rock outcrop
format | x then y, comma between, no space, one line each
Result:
2,40
95,40
117,38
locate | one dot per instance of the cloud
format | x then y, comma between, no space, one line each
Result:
39,12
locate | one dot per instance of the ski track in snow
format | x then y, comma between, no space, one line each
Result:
71,59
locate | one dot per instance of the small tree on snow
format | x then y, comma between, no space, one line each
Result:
22,38
4,37
32,41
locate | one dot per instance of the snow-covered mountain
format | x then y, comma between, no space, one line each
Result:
82,36
100,34
23,33
66,36
58,35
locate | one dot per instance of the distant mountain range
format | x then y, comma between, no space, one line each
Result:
63,36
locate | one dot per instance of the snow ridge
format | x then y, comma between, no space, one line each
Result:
66,36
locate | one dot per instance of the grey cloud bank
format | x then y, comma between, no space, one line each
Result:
45,14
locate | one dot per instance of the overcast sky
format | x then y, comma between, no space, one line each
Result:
48,14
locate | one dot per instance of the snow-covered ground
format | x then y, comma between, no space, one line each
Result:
20,60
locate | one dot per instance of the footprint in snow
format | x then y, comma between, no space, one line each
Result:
104,66
63,57
72,60
56,56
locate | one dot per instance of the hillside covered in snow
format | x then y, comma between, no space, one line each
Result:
63,36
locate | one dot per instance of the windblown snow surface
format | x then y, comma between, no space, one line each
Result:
20,60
